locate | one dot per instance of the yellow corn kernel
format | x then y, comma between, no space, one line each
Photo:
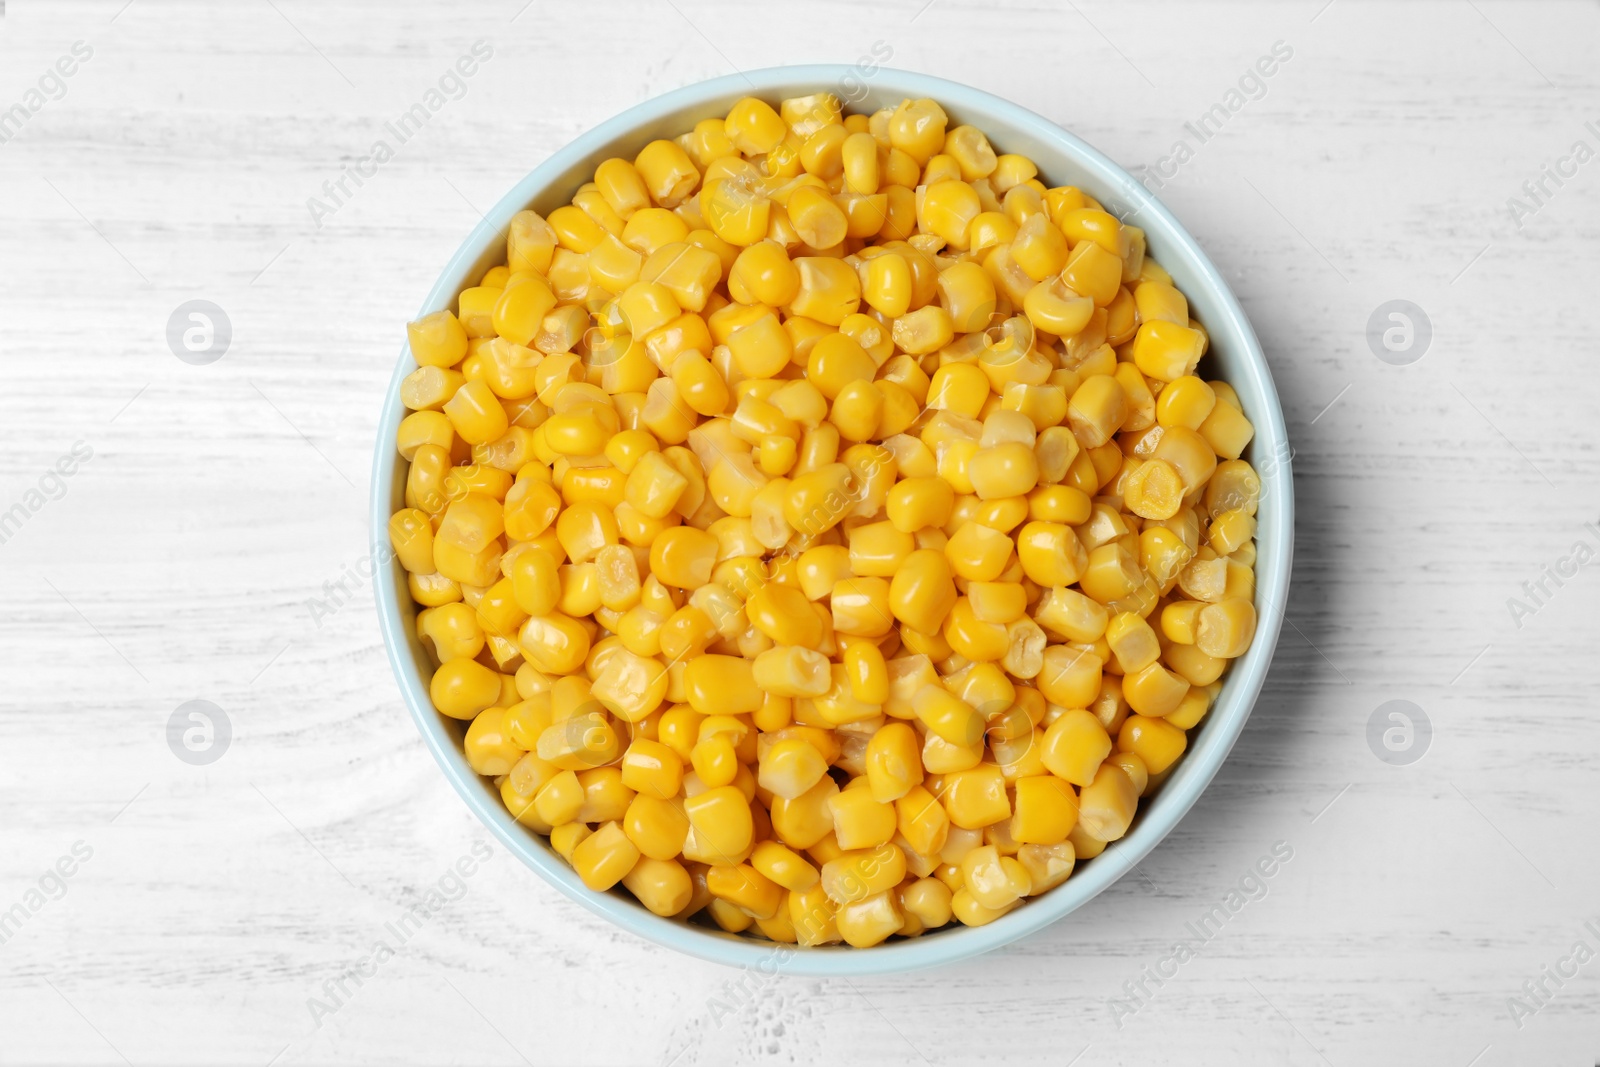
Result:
1074,746
976,797
657,827
860,821
968,297
721,685
1093,224
753,127
1001,602
736,211
1106,805
923,591
668,174
1154,691
461,688
1112,572
535,581
816,218
488,746
994,881
1156,742
1005,470
854,876
1180,621
651,768
618,181
605,797
860,607
971,637
791,768
1133,642
530,242
1186,402
745,888
793,671
1193,707
411,534
925,330
763,274
725,915
662,885
1233,486
868,922
887,285
1040,249
858,410
1097,409
822,154
858,163
784,866
721,822
715,761
947,715
1194,666
867,672
437,340
969,912
762,348
915,127
922,820
782,612
813,916
1047,865
1230,530
835,362
978,553
682,557
918,503
1070,677
631,686
1166,350
580,590
893,762
1225,629
947,209
554,643
1093,272
617,577
475,309
879,549
829,290
559,799
1204,579
1047,810
1050,553
462,565
1227,431
1056,309
422,428
960,388
476,414
604,857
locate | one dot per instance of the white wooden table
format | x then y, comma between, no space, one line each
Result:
209,904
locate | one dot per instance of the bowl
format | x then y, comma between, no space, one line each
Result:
1063,159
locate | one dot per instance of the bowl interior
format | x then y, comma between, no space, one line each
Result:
1234,356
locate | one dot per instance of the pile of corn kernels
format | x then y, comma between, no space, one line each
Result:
820,525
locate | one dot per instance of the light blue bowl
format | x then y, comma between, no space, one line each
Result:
1063,159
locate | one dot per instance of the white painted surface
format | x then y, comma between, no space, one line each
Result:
179,563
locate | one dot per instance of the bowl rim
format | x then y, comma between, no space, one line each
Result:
1227,324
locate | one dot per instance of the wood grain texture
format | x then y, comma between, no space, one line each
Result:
180,560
